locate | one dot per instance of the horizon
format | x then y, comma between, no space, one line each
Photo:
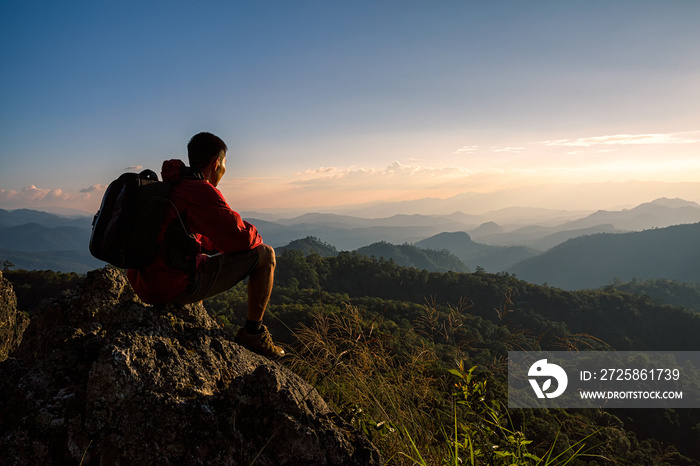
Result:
497,212
336,108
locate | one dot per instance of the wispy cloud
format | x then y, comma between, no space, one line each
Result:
396,174
335,186
464,149
94,188
513,150
622,139
474,149
134,168
329,186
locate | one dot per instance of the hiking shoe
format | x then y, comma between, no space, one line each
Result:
260,343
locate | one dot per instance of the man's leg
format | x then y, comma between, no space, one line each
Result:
255,335
222,271
219,273
260,283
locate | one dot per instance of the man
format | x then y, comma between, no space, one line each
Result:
222,250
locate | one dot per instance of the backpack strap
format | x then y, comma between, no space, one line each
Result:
189,173
179,246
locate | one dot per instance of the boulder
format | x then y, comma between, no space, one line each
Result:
12,322
101,378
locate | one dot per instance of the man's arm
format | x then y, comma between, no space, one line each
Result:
210,215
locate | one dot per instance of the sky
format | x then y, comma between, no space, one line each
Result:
334,103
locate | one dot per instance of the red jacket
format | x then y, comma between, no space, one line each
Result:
210,219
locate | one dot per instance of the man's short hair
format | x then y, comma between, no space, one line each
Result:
203,148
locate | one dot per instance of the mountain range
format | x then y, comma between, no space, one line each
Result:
539,229
555,196
563,248
596,260
477,255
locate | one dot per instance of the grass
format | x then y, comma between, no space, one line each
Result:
411,409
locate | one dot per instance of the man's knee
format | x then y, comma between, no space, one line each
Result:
266,256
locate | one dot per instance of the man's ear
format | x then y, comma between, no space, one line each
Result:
209,169
214,164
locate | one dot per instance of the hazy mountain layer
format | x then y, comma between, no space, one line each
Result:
594,261
37,240
475,255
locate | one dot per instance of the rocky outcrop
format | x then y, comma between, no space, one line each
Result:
101,378
12,322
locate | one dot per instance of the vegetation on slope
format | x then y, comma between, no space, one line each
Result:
382,343
417,359
662,290
594,261
407,255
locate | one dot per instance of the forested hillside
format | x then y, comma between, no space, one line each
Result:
672,292
382,343
594,261
36,237
407,255
476,255
309,245
379,341
37,240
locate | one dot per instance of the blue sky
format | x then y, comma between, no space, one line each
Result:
328,103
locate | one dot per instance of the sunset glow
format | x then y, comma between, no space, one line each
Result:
333,105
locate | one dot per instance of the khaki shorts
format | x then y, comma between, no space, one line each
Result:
219,273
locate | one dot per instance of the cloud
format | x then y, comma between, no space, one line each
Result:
622,139
514,150
134,168
467,149
396,174
31,194
94,188
323,172
334,186
33,197
472,149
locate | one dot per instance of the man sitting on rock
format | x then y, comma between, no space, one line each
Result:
224,249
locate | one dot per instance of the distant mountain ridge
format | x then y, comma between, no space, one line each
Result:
308,246
407,255
656,214
541,237
33,239
474,255
551,196
504,227
594,261
36,237
11,218
659,213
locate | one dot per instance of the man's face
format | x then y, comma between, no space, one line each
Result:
220,168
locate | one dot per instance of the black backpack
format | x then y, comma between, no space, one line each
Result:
126,228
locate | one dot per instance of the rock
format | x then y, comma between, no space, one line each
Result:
12,322
101,378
